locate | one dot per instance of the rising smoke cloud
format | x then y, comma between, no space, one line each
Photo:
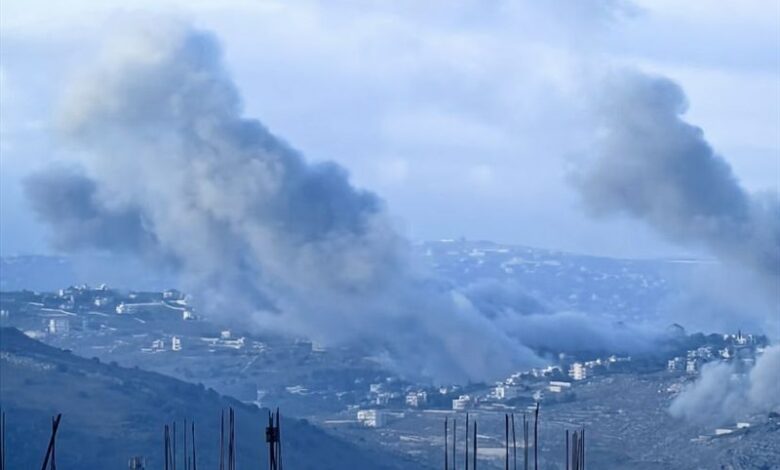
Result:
724,393
170,170
652,165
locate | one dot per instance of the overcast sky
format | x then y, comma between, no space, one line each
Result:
465,117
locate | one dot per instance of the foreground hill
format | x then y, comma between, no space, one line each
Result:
111,413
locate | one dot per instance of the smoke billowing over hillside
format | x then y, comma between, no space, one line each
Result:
171,171
652,165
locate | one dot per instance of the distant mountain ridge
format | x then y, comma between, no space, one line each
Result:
554,280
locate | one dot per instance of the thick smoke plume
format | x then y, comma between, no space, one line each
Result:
171,171
724,393
652,165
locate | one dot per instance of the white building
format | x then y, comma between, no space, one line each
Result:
692,366
578,371
417,399
558,386
172,294
506,392
383,398
175,343
371,418
58,326
237,343
187,314
676,364
158,345
462,403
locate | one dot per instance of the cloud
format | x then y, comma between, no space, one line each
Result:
172,171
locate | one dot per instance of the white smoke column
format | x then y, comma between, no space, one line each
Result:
170,170
724,394
652,165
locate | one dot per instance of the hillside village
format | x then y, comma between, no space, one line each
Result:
344,388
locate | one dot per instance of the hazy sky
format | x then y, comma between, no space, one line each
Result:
465,117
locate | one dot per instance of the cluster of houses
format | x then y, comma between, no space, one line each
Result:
519,389
737,347
75,308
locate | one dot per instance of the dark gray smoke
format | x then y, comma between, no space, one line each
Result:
172,171
652,165
67,198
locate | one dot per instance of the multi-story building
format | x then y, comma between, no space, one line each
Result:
578,371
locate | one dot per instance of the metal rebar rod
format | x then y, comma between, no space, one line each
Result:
506,441
222,440
474,462
232,447
467,441
53,465
514,444
454,443
446,447
194,454
49,450
173,453
536,437
186,452
279,439
165,447
2,444
525,442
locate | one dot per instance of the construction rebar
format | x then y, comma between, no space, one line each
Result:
173,452
514,444
232,440
446,447
467,441
454,442
525,442
506,441
278,439
194,454
186,453
165,448
566,453
2,440
222,440
536,437
474,462
50,455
